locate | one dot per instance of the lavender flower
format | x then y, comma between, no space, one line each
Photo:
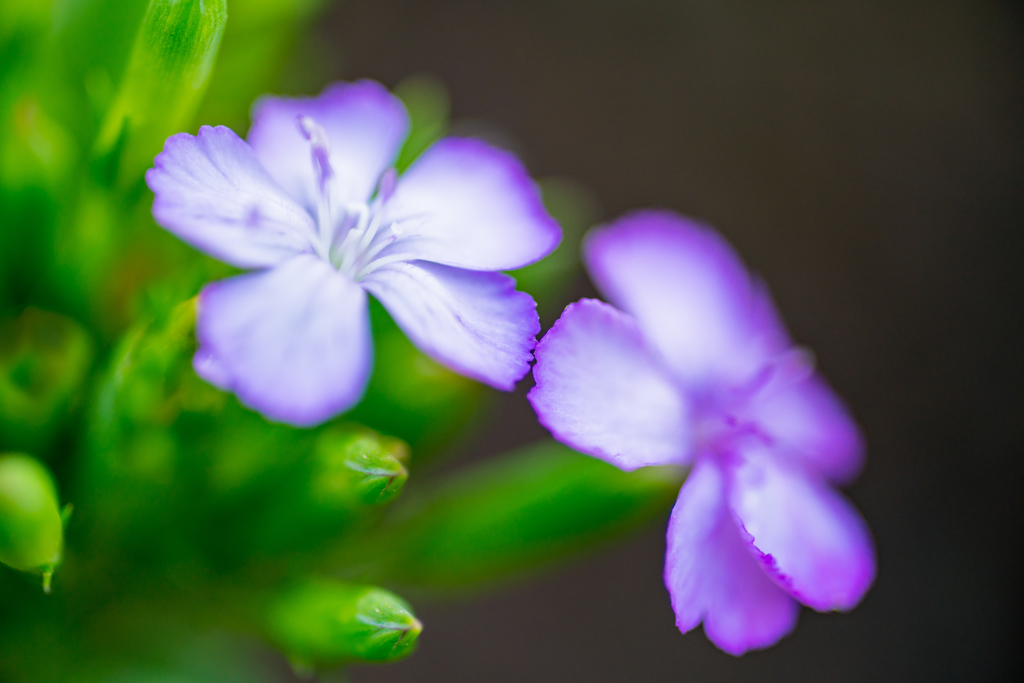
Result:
695,367
313,207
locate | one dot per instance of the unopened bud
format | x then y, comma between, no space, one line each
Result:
357,461
349,468
324,623
31,532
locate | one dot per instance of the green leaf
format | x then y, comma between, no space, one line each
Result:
166,76
509,515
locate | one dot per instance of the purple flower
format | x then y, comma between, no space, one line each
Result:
313,207
695,367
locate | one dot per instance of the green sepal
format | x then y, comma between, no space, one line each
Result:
31,532
320,623
510,515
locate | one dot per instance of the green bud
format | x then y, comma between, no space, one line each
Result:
31,532
324,495
355,461
324,623
44,359
165,78
510,515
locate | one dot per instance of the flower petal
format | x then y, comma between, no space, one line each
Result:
690,293
808,421
293,342
365,125
711,576
213,193
475,323
467,204
601,391
805,534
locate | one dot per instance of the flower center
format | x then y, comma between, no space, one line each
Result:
351,235
728,420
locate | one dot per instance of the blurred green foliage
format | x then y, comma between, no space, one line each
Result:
201,529
510,515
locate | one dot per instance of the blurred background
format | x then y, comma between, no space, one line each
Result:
867,158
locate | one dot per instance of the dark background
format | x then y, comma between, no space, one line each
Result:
867,159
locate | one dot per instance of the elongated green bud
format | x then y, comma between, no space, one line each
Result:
355,462
44,359
31,533
323,623
512,514
350,467
167,73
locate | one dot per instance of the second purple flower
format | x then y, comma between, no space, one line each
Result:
694,367
311,204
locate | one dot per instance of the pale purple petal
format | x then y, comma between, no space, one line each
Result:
292,342
808,421
213,193
467,204
475,323
712,577
806,535
365,125
690,293
600,390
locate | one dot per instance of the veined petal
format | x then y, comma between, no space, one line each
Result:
601,391
690,293
808,421
292,342
365,126
712,577
464,203
806,535
475,323
212,192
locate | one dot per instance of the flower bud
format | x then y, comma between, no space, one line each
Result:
164,81
349,468
44,358
323,623
357,462
31,532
